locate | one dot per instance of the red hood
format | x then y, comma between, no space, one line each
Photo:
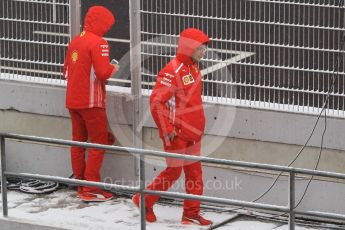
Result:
190,39
98,20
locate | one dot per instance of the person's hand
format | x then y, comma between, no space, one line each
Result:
172,135
116,68
111,138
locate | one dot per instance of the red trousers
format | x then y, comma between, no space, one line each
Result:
192,171
88,124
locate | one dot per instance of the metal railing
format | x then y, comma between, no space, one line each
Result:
290,208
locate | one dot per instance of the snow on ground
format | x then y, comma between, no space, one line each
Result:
63,209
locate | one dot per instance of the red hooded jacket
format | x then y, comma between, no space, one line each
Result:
87,64
176,98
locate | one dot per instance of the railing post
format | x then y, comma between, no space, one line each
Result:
54,11
74,16
292,200
3,177
142,194
135,71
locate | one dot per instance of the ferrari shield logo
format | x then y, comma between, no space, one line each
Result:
188,79
74,56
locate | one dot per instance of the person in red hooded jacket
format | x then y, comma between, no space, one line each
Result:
86,69
176,107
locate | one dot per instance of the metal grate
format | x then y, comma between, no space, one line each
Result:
264,53
267,54
34,36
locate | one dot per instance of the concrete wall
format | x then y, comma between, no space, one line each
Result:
232,133
39,110
225,121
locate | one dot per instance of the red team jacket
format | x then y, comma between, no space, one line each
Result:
87,63
176,98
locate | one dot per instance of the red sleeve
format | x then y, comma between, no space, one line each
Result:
65,66
164,89
100,60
